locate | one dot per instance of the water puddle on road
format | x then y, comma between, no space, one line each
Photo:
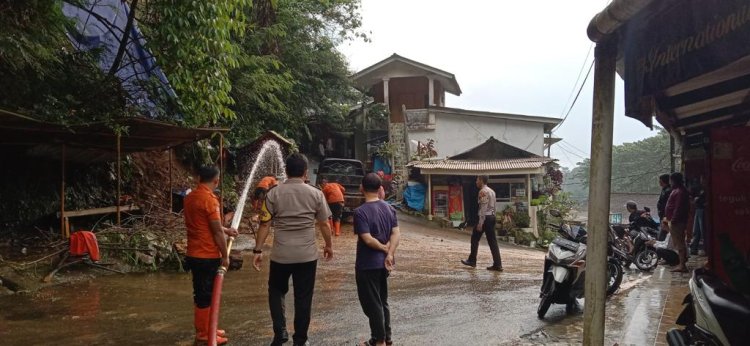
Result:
433,298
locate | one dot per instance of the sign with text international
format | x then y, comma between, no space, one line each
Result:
677,41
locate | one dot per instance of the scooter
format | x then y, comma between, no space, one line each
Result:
565,268
631,246
714,314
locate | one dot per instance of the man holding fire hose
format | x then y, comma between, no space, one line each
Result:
294,208
207,247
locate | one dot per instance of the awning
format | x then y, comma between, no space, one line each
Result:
94,141
534,165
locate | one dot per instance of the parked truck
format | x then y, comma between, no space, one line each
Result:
349,174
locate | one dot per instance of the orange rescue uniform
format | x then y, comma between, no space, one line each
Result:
267,183
201,207
334,193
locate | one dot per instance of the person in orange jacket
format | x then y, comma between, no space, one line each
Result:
334,194
261,189
206,248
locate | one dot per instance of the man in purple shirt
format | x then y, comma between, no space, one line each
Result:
376,226
676,217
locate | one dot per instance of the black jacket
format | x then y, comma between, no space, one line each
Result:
661,205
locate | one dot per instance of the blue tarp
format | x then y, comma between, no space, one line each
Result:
380,164
100,24
414,196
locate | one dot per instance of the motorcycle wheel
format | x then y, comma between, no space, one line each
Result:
624,248
547,293
646,260
614,275
571,307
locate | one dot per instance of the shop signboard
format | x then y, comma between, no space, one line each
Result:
730,205
694,37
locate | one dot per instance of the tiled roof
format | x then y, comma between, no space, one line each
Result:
482,165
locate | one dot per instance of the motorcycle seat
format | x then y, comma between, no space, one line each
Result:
619,230
731,308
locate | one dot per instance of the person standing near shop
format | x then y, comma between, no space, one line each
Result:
676,217
661,205
376,225
294,208
699,231
485,225
334,193
206,248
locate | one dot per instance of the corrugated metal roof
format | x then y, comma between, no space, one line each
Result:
95,141
482,165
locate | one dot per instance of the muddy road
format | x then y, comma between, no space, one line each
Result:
434,299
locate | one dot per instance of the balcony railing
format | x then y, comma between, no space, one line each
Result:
419,119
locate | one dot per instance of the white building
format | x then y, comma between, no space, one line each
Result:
457,130
414,93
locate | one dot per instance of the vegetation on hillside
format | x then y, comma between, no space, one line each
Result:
248,65
635,168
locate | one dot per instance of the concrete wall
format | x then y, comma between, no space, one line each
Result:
455,134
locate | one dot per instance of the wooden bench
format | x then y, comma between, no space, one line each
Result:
94,211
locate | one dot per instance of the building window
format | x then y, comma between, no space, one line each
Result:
508,190
502,191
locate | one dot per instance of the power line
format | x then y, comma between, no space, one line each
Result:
577,95
574,147
624,177
580,73
566,155
570,151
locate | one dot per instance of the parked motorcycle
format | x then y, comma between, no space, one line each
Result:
630,245
714,314
565,268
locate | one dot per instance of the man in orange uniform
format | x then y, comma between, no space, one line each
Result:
334,193
267,183
207,247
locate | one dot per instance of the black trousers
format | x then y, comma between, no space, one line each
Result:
669,256
336,210
204,271
303,275
372,289
662,233
488,228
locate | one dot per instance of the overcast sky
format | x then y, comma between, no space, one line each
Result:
508,56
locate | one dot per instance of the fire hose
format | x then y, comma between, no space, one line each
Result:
216,300
213,322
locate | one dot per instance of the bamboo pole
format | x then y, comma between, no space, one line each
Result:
429,197
221,174
528,199
119,180
62,194
171,198
600,183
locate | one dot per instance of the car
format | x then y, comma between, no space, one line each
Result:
349,174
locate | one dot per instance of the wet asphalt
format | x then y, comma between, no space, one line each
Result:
434,300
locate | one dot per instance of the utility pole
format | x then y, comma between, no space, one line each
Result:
600,184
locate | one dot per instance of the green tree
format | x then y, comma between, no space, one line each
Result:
291,73
44,76
196,45
33,35
635,166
